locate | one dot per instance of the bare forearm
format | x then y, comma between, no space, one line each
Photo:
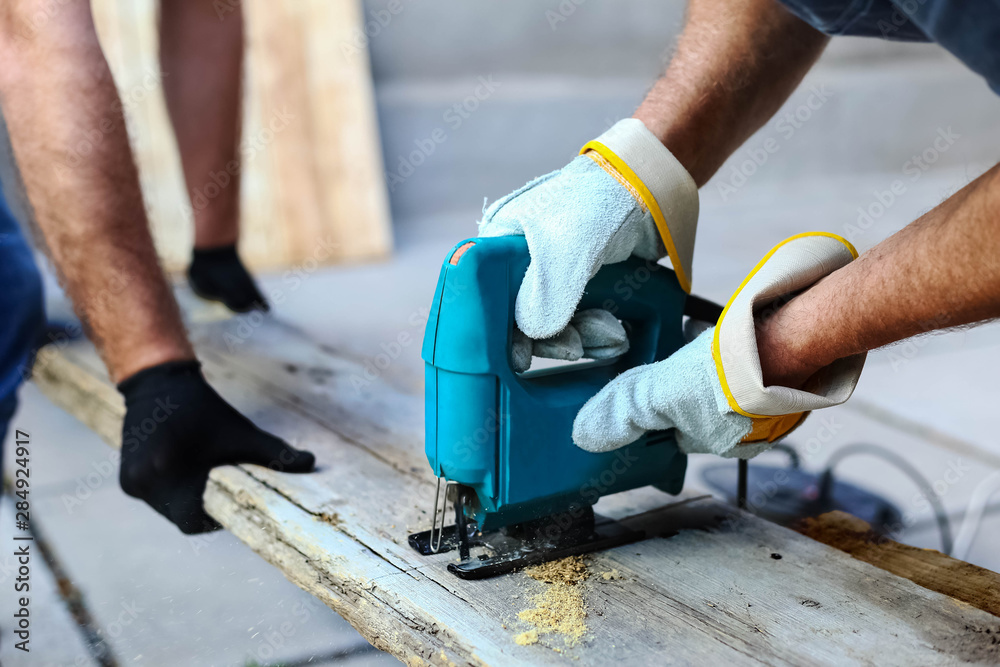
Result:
735,64
71,144
941,271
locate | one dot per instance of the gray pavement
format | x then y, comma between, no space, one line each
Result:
200,601
158,597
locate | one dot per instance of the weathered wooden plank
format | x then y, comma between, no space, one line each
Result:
708,587
931,569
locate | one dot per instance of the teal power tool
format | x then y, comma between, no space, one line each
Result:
501,441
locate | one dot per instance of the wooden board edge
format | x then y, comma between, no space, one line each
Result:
929,568
91,399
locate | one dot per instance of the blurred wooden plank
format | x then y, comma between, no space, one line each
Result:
313,187
931,569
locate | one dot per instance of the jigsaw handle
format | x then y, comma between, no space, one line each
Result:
471,323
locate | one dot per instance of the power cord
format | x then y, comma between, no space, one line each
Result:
974,514
826,482
793,456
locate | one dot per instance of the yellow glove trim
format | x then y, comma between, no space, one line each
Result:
603,163
772,428
647,198
716,354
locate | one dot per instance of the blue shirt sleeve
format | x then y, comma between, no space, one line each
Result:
970,30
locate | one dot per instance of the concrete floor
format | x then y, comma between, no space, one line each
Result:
213,602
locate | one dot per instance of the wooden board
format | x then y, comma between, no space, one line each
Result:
313,186
710,586
931,569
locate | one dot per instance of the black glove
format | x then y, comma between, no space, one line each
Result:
176,430
218,274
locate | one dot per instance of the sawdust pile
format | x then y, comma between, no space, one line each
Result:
559,609
570,570
527,638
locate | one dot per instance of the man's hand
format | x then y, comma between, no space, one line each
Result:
940,271
777,359
625,195
176,430
711,391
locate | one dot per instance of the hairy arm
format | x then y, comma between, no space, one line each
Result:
69,137
735,64
943,270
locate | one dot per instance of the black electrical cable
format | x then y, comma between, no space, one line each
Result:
788,450
826,483
743,472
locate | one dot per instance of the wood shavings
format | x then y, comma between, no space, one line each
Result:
527,638
559,609
611,575
565,571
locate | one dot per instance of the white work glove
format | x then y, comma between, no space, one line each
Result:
624,195
591,334
711,391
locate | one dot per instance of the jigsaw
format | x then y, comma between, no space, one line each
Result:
500,441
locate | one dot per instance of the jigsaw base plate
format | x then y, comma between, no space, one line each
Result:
514,547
